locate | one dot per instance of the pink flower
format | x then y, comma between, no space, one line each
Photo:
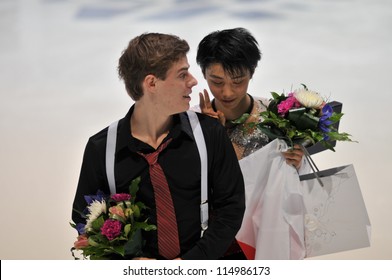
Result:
288,104
111,229
117,210
121,197
82,242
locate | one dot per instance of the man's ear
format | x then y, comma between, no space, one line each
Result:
150,82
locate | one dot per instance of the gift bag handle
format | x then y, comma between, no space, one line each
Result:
312,164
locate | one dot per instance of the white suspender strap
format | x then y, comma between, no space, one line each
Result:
201,146
110,154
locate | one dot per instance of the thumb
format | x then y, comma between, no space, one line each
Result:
221,118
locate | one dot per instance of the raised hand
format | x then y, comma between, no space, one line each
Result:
206,107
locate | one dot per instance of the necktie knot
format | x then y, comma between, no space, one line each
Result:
152,158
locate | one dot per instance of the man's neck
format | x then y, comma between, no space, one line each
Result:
150,126
234,113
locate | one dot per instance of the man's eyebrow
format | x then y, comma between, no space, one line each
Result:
238,77
221,78
216,77
185,68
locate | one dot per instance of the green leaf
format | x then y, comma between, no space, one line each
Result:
118,218
120,250
271,132
150,227
134,246
303,120
141,205
94,241
134,187
98,223
275,95
335,117
241,119
136,211
336,136
127,229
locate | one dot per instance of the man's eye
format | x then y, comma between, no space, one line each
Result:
217,83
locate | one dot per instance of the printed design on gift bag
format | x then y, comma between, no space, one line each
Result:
341,220
318,231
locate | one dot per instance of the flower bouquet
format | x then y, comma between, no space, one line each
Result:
114,226
302,117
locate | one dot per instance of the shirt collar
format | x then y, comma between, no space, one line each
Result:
181,127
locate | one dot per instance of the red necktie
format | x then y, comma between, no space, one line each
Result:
168,243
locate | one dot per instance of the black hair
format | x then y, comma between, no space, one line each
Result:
235,49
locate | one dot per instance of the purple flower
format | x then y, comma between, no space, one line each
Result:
121,197
81,228
99,197
325,122
111,229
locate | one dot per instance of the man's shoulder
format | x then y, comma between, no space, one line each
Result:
98,136
207,121
103,133
98,140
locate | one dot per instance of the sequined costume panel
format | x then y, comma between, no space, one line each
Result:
246,139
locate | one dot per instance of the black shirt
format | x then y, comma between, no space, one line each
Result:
181,164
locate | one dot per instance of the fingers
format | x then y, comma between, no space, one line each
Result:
294,162
205,102
205,105
207,99
294,156
221,117
201,101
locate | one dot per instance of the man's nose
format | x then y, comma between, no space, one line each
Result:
227,92
192,81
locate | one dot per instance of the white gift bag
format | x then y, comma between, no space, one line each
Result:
273,224
336,218
288,216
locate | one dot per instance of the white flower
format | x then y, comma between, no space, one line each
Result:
96,208
308,98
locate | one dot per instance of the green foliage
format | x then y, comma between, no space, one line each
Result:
300,124
129,242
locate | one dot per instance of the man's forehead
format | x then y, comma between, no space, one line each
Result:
226,74
180,65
